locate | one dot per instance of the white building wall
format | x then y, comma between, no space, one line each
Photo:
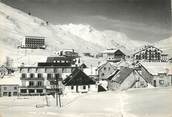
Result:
90,88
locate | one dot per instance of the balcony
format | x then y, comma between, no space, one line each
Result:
50,78
31,87
53,78
29,78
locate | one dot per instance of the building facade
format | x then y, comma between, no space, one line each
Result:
113,55
158,73
68,53
104,70
9,90
126,78
162,80
150,54
34,42
79,82
38,80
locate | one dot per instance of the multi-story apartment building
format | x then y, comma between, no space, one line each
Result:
38,80
150,54
34,42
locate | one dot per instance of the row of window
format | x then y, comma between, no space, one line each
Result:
31,90
34,40
83,87
10,93
32,75
5,88
32,83
105,68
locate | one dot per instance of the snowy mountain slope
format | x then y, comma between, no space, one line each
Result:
165,45
15,24
107,38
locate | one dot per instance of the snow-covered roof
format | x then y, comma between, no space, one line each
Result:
158,67
37,37
125,63
90,71
110,51
123,50
144,47
65,75
10,80
102,63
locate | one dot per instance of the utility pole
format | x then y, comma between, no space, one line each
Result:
46,98
58,90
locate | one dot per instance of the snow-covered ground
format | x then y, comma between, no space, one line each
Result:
155,102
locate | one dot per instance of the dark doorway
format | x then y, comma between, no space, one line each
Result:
154,83
9,94
77,89
101,88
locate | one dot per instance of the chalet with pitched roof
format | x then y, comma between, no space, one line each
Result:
125,78
113,55
159,73
78,82
105,69
150,54
5,71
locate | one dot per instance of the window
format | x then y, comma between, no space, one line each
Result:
5,93
104,68
72,87
39,90
15,88
102,74
161,82
23,91
32,75
63,70
5,88
23,75
39,83
109,68
56,75
49,75
31,91
39,75
84,87
14,93
31,83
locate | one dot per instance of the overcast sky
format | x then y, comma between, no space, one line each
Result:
139,19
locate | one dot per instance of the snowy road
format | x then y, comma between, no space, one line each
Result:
133,103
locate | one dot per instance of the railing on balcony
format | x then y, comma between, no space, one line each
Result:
33,86
29,78
50,78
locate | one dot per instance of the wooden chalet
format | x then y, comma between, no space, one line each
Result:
113,55
126,78
104,69
78,81
5,71
159,73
